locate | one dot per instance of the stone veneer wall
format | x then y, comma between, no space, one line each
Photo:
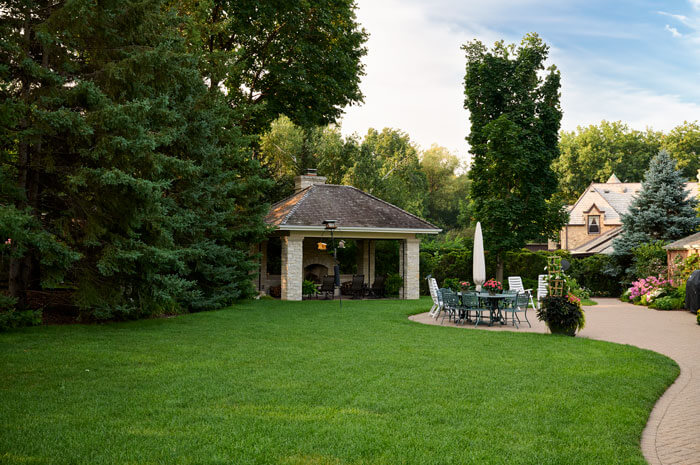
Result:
411,278
314,256
292,269
578,235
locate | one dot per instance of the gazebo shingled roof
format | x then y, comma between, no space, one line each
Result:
685,242
351,207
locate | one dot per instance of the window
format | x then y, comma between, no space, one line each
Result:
593,224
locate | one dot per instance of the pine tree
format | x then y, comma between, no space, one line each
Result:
662,210
119,150
34,110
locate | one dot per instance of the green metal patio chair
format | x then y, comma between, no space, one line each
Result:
522,299
470,303
451,306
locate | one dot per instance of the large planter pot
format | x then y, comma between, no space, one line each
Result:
563,330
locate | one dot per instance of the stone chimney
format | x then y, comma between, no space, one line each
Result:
308,179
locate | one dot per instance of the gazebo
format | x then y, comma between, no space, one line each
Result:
298,222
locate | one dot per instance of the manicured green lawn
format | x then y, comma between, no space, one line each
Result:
306,383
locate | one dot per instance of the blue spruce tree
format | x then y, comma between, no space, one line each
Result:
663,210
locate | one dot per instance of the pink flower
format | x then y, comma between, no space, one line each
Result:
8,242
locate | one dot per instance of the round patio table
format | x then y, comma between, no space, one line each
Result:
494,302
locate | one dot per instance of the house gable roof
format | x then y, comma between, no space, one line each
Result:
601,244
349,206
613,199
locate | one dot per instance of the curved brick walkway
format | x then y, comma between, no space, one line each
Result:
672,434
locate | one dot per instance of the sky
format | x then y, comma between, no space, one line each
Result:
634,61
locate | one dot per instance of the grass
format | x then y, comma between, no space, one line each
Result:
588,302
307,383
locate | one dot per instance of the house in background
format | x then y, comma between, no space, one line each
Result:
595,220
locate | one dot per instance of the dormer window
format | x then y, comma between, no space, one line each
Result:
593,224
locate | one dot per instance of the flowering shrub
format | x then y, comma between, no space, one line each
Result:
464,284
493,286
573,299
647,289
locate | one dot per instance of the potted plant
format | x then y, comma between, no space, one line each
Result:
562,314
492,286
308,288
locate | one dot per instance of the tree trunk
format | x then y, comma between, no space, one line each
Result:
25,271
499,270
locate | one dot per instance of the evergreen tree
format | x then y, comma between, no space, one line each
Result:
133,162
515,116
663,210
34,110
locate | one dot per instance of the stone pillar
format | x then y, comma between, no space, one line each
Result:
371,262
363,259
411,278
292,269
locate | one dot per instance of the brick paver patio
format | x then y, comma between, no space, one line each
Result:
672,434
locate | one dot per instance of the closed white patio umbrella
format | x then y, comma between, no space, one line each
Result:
479,261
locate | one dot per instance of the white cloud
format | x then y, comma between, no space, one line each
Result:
681,18
414,77
415,72
673,31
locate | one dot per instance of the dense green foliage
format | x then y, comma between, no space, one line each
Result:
594,153
515,117
304,382
11,318
452,258
447,198
663,210
668,303
129,159
649,259
386,164
296,58
393,284
122,171
597,273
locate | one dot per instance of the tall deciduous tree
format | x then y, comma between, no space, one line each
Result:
663,210
593,153
447,190
683,145
515,117
390,169
296,58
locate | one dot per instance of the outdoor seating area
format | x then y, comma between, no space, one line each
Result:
357,288
479,307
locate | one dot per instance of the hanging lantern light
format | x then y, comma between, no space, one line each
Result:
322,246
